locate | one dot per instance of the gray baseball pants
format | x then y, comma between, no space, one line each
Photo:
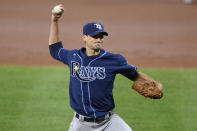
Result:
112,123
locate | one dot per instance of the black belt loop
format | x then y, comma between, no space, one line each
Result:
88,119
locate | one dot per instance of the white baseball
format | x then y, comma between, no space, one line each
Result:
57,9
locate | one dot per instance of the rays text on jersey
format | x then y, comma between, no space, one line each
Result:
87,73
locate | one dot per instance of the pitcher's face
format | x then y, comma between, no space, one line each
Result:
93,42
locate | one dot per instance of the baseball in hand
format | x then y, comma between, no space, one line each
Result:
57,9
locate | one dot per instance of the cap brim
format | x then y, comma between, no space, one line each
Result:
98,32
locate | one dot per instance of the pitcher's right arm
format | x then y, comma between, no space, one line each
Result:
54,30
55,45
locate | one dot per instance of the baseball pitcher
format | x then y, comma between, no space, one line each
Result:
92,74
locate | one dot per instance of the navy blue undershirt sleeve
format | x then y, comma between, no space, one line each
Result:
126,69
58,52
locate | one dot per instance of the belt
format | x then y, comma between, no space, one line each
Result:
89,119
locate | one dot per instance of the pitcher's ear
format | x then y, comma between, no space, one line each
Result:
84,37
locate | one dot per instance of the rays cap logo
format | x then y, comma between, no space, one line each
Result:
93,28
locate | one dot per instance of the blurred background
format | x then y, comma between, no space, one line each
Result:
149,33
159,35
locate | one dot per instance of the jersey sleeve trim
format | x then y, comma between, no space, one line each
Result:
127,70
59,53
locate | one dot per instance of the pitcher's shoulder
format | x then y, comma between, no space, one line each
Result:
114,56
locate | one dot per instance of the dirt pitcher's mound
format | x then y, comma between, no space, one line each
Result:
149,34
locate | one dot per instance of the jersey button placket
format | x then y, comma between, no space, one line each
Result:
86,97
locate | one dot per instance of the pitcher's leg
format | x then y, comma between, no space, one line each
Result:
77,125
73,125
117,124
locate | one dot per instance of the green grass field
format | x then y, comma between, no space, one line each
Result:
36,99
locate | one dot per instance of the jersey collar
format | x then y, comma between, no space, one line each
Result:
83,54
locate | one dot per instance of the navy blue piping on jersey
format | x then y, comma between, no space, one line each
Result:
89,82
59,53
82,89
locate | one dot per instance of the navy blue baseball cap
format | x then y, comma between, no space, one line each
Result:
93,28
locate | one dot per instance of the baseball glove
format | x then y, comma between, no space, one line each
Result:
147,87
